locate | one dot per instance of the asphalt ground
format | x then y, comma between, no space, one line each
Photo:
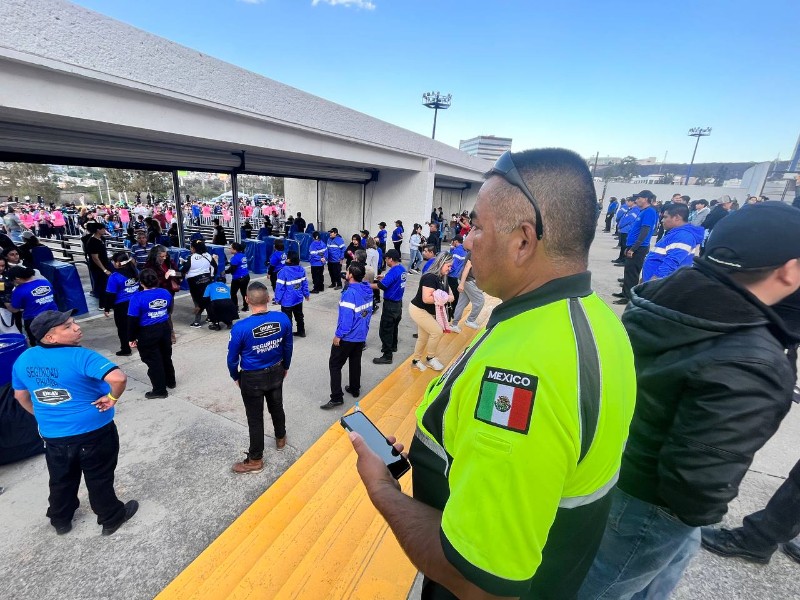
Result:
176,455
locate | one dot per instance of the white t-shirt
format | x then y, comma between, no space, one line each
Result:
199,264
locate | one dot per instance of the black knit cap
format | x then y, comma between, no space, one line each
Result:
756,236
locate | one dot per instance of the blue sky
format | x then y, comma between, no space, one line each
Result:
618,77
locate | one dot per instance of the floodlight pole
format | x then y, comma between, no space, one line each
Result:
696,132
436,101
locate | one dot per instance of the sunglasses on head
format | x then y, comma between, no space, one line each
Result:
505,168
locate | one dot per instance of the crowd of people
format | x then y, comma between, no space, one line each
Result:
634,435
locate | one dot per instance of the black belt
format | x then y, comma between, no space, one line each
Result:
270,368
387,300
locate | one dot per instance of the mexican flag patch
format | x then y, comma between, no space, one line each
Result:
506,399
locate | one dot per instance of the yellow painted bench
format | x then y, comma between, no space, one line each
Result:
314,533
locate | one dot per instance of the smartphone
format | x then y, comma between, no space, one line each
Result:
394,461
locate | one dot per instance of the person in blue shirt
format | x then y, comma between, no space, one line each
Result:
259,357
141,249
610,212
381,235
316,256
221,305
638,242
459,254
428,255
122,284
276,262
352,327
239,272
32,296
397,235
333,256
292,289
621,212
393,284
677,248
631,211
149,331
72,391
364,236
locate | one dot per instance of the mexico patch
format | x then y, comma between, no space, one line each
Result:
506,399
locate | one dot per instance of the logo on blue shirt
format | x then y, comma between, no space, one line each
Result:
52,396
42,290
266,330
157,304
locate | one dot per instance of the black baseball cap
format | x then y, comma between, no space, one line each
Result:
382,224
365,231
333,230
48,319
756,236
645,194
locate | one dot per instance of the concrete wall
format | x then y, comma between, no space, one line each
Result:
403,195
665,191
341,206
301,195
450,200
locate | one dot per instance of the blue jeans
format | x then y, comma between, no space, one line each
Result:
415,256
643,554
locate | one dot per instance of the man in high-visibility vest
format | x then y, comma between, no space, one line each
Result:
519,441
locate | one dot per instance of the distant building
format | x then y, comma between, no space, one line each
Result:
485,146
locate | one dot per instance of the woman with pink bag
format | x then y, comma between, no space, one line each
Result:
428,311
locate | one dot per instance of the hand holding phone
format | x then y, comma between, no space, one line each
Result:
377,442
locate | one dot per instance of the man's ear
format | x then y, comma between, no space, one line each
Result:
526,242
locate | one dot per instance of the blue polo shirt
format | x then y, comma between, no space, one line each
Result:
239,260
260,341
648,216
381,235
122,287
63,381
33,297
150,306
217,290
459,260
397,234
427,265
393,283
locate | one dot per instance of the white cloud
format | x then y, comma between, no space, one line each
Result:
365,4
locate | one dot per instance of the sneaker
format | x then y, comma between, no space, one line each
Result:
172,386
208,320
354,394
214,327
621,301
154,395
333,285
331,404
434,364
455,328
418,364
792,550
725,543
314,291
472,324
249,465
131,506
124,353
195,324
299,334
280,443
619,295
386,359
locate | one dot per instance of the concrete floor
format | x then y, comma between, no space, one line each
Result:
176,455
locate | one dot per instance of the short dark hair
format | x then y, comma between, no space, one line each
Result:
430,248
563,187
238,246
148,278
680,210
702,201
686,199
292,258
257,294
357,270
278,244
199,246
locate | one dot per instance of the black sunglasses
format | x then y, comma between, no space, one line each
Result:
506,168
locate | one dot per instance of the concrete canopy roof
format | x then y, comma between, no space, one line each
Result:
83,86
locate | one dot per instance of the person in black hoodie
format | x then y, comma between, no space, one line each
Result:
715,368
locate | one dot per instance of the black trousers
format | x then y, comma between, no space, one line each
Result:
93,455
155,350
257,386
318,278
121,321
295,311
451,308
335,271
778,522
397,246
344,352
633,269
99,281
623,240
383,255
608,222
240,286
390,321
273,279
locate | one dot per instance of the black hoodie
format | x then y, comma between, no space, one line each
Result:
715,369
